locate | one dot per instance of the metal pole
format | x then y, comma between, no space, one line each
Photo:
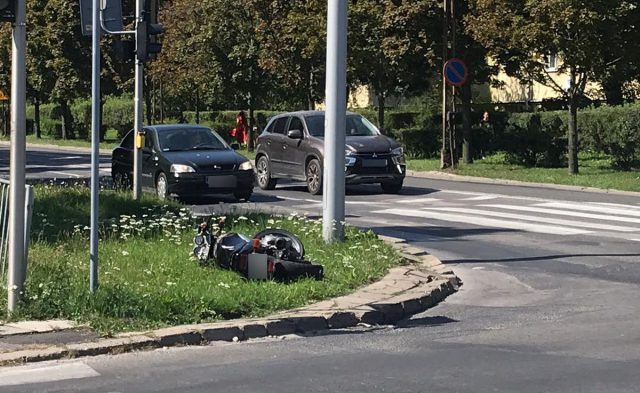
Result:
18,157
137,100
95,144
335,122
445,54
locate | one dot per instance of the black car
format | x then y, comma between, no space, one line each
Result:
186,160
292,146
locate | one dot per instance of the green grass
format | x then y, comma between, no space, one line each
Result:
148,278
595,171
111,140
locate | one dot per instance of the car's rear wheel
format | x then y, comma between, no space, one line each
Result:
162,186
263,169
314,177
393,187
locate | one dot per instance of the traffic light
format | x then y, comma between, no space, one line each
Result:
8,10
147,44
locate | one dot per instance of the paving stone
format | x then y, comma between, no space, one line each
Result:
391,240
222,333
181,335
34,355
412,307
280,327
112,346
254,331
342,319
369,316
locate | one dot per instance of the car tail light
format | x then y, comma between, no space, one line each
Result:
270,266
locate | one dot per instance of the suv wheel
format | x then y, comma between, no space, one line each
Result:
263,169
314,177
162,186
392,187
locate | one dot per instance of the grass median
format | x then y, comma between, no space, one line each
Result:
149,279
595,171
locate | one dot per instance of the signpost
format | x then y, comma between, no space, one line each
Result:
456,72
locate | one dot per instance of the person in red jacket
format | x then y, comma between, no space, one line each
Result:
241,132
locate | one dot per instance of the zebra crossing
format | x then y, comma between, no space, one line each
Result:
525,214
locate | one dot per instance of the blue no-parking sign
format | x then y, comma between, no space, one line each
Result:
456,72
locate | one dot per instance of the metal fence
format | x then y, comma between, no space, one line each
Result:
4,226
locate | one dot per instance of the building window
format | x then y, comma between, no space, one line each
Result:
551,63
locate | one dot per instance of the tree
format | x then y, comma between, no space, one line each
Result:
293,37
392,46
519,34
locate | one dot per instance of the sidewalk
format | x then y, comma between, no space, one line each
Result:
404,291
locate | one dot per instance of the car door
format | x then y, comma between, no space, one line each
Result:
275,143
122,159
150,160
293,155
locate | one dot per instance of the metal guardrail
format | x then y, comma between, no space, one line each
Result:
4,226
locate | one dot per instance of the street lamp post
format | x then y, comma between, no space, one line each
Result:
335,122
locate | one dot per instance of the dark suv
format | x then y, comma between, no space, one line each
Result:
292,146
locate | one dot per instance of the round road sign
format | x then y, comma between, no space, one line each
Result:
456,72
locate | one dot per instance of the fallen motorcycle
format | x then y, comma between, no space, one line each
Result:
271,254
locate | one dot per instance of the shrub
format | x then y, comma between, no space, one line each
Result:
420,143
534,139
118,113
622,141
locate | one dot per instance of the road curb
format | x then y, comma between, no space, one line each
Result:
435,175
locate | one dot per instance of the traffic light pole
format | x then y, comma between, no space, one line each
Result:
137,100
18,160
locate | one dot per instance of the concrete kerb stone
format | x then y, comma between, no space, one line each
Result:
113,346
32,355
179,335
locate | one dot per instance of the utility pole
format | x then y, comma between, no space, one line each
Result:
137,101
17,178
335,122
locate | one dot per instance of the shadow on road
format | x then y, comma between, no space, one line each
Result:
425,321
442,233
539,258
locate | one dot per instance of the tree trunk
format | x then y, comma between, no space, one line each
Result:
573,124
197,107
36,115
252,122
66,120
613,91
103,129
467,156
381,113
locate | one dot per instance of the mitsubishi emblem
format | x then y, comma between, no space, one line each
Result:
374,155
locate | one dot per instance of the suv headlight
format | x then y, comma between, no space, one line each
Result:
398,155
246,166
349,161
179,168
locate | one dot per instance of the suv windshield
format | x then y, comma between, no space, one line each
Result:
356,126
190,139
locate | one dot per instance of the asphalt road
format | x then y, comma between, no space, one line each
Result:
550,303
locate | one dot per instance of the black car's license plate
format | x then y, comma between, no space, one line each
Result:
373,163
221,181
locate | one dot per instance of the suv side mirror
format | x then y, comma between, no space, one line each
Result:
295,134
235,146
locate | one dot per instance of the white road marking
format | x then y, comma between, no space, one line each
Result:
66,174
59,372
419,200
635,240
485,222
481,198
593,209
565,213
289,198
616,205
365,203
522,217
